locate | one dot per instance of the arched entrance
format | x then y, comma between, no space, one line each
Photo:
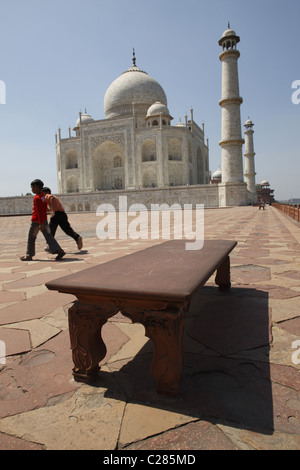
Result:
108,166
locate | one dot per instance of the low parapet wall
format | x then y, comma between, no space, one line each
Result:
76,202
292,210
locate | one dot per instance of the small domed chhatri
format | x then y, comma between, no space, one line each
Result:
158,114
83,119
228,32
158,108
218,173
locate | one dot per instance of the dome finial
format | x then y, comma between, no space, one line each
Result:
133,57
228,24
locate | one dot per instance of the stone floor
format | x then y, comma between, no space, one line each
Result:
241,384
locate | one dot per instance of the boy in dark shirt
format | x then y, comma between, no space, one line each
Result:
39,222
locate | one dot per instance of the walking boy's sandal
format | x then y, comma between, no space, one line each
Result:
26,258
60,254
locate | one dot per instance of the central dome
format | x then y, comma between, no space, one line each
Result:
133,89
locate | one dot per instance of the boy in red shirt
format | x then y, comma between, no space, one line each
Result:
39,222
60,218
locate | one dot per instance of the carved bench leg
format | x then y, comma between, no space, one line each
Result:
88,348
166,332
223,275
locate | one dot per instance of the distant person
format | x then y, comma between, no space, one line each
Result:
58,217
39,223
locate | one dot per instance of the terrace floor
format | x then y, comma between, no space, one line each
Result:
241,384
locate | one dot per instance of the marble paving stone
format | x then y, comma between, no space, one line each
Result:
6,277
292,326
251,440
35,280
39,332
281,351
36,307
257,253
141,421
16,341
86,421
245,274
286,405
37,376
135,333
287,376
6,296
37,271
260,261
33,291
277,292
284,309
8,267
13,443
58,318
34,267
114,339
290,274
200,435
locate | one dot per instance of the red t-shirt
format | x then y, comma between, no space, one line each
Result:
39,208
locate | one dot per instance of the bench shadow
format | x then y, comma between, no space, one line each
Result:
226,376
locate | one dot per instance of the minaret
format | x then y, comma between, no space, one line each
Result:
232,142
249,157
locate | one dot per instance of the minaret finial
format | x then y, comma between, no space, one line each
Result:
133,57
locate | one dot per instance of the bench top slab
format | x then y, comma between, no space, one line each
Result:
166,271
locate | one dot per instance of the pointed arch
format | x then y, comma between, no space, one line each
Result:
174,149
108,166
148,150
149,178
72,184
71,159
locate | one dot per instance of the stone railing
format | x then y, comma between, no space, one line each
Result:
292,210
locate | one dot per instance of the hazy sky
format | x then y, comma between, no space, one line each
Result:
59,57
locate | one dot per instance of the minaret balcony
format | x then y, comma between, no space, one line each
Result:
228,52
228,142
233,100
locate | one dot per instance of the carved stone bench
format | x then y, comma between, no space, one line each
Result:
153,287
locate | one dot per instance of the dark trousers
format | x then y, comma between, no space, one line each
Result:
32,234
60,219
